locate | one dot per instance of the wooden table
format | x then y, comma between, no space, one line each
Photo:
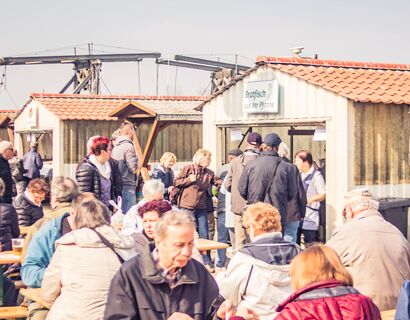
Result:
204,245
35,295
388,314
23,230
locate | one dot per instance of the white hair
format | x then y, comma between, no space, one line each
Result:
172,218
283,150
153,187
364,204
4,145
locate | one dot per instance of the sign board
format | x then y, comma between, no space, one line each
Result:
32,115
320,134
261,97
236,134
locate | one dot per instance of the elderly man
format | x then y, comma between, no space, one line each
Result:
372,249
6,153
32,163
164,282
63,191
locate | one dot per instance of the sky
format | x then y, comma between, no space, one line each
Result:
355,30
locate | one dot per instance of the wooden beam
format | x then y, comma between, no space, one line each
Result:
10,133
136,116
155,129
137,146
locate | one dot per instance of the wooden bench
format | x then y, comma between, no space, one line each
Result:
13,312
388,314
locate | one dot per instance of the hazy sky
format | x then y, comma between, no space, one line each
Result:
376,31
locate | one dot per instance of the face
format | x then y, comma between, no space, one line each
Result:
152,197
8,154
169,163
175,249
38,197
205,162
299,163
149,220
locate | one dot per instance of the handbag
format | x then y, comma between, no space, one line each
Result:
109,245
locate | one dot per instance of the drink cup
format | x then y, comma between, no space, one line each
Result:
17,245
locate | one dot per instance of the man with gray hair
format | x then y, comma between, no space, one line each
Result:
6,153
63,191
163,282
374,251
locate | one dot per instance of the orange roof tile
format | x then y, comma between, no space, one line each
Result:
97,107
358,81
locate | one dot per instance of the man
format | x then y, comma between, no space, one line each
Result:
223,234
374,251
315,187
32,163
296,206
63,191
163,282
268,179
124,152
6,153
252,151
41,249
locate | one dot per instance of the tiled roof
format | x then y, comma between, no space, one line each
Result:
359,81
97,107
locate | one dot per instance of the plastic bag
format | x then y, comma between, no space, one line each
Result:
118,216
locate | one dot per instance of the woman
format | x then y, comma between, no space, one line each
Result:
9,227
258,277
150,212
28,204
98,173
164,172
77,279
194,181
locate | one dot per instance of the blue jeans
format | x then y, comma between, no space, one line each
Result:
128,198
201,219
291,231
222,237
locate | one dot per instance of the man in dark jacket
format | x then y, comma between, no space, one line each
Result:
6,153
253,143
163,282
32,163
268,179
296,206
9,227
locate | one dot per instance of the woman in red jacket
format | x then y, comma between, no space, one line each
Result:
323,290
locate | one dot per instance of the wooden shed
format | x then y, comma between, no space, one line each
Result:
360,109
62,123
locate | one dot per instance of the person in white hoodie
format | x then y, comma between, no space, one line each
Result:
76,282
257,277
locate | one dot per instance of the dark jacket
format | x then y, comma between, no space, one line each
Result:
297,206
32,163
89,179
221,208
328,300
232,180
166,176
124,152
255,183
9,227
5,174
139,291
27,211
194,193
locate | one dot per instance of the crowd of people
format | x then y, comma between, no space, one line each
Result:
266,206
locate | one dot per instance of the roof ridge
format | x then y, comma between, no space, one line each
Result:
116,97
332,63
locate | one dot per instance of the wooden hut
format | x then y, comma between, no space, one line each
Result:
62,123
363,108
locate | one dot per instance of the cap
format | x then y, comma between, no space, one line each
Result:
254,139
272,140
357,195
235,152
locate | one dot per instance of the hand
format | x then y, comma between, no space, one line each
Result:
179,316
310,200
170,189
226,310
192,177
247,314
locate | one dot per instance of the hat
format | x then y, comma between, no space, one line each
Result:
254,139
33,144
235,152
357,195
272,140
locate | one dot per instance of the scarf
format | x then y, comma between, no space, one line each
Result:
103,169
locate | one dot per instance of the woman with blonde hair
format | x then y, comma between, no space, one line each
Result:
324,289
193,182
258,277
76,282
164,172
